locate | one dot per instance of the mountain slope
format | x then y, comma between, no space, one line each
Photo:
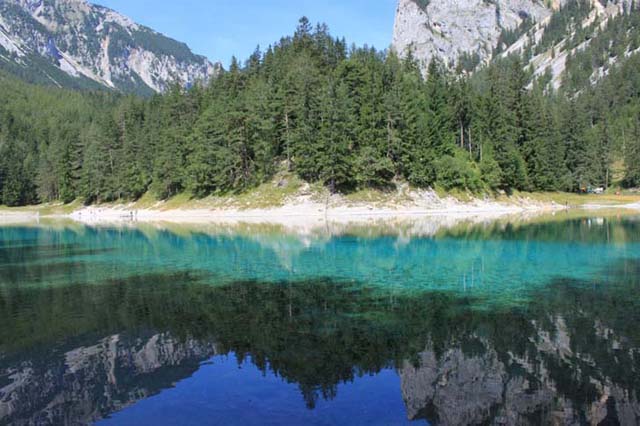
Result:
579,43
451,29
567,42
73,43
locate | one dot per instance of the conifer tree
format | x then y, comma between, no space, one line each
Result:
336,137
632,154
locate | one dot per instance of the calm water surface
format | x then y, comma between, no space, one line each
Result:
505,323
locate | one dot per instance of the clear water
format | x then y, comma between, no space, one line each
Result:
487,324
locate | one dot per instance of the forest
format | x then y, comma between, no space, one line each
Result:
344,116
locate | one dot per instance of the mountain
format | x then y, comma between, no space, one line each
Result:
73,43
548,35
450,29
349,119
579,43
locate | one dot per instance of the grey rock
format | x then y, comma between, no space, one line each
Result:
74,40
446,29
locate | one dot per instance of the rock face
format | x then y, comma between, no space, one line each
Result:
74,43
553,59
474,29
446,29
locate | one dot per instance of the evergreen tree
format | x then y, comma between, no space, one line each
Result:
543,152
632,155
573,125
336,137
349,118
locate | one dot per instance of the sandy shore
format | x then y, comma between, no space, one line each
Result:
305,212
17,217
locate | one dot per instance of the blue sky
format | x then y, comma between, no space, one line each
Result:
219,29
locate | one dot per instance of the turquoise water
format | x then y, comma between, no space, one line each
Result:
500,323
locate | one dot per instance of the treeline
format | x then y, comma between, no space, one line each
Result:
347,117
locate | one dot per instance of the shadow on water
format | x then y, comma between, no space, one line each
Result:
566,353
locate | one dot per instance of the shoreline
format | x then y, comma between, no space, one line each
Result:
291,214
305,212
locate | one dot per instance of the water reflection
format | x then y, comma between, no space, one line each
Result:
570,357
567,353
503,260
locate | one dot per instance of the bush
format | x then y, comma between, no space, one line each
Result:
458,172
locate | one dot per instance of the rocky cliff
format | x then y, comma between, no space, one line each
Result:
77,44
447,29
550,36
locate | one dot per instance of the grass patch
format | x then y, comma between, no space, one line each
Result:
576,200
274,193
378,197
47,209
271,194
147,201
180,201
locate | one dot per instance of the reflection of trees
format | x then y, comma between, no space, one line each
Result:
580,230
502,260
572,337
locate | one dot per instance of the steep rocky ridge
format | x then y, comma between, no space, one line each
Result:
78,44
448,29
554,58
548,35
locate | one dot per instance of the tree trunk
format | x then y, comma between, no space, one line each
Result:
288,138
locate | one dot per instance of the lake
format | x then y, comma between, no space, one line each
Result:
507,322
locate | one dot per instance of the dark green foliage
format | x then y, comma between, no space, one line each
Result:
510,36
543,148
422,4
568,18
349,119
458,172
632,154
600,47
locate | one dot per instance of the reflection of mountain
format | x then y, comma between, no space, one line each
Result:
567,353
89,383
456,388
569,357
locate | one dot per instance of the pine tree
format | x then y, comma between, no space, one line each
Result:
573,124
261,128
543,152
632,155
439,128
95,181
133,177
210,162
335,137
179,112
499,136
16,186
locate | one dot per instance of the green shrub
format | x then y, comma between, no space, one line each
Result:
457,172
